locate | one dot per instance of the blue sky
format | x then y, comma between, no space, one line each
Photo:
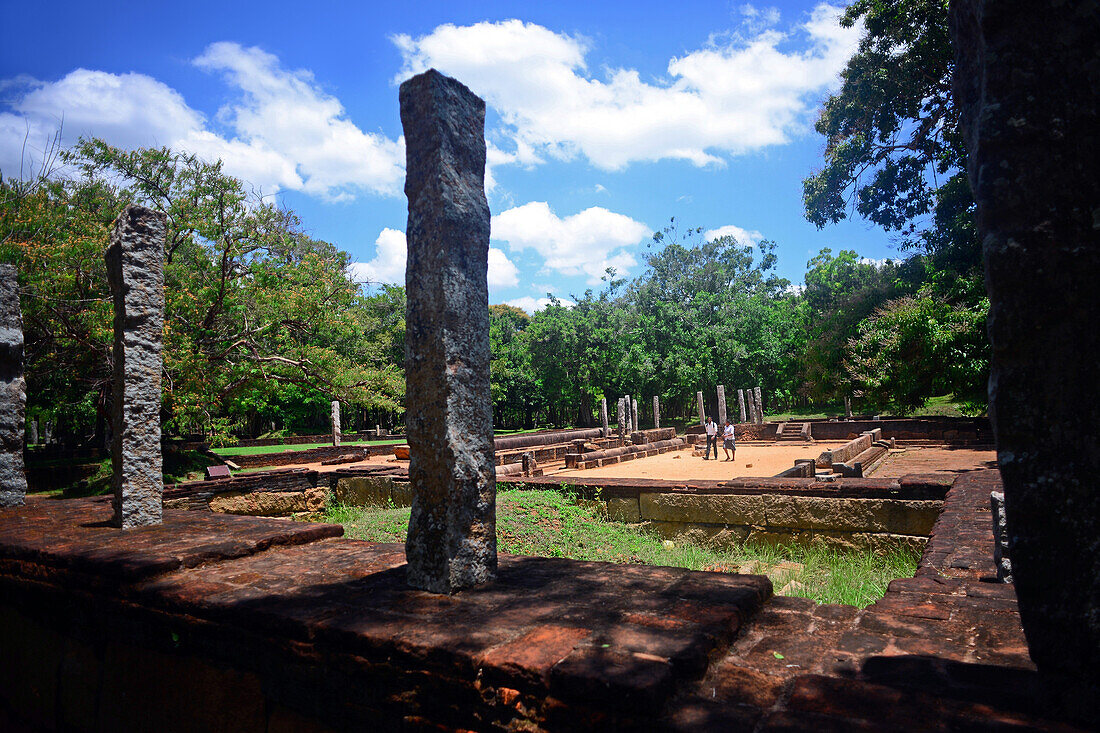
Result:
604,119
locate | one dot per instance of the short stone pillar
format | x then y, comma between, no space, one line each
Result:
334,421
135,272
721,404
759,406
656,412
702,412
452,529
530,465
634,415
621,418
603,418
741,404
13,392
1025,87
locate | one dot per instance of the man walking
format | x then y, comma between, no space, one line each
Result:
712,439
728,443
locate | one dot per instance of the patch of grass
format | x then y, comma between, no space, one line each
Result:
550,524
178,466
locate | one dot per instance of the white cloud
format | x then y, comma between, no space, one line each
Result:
286,132
724,99
743,236
391,251
585,243
531,305
502,271
388,265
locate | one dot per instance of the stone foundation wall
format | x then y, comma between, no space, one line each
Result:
310,455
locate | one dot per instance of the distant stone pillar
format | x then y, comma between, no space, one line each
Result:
135,271
337,434
628,405
621,418
603,418
656,412
32,432
634,415
452,529
47,432
1025,87
750,406
741,404
13,391
721,404
702,412
759,406
848,407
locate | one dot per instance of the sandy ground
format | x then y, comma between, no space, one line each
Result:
930,460
765,459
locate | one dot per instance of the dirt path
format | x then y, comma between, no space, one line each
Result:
764,459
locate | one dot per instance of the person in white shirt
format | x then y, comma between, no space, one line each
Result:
712,439
729,445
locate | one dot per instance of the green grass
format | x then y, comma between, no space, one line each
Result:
254,449
177,466
549,524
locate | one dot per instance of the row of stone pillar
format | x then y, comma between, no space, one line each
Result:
627,415
750,404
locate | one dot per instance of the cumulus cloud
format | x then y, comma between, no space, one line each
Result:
531,304
585,243
391,251
284,131
388,266
726,98
743,236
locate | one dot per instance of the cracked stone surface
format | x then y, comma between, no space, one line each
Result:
135,271
13,391
452,531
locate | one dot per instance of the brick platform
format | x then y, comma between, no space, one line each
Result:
219,621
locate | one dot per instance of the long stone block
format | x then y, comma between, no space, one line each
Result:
703,508
13,391
135,272
452,530
895,516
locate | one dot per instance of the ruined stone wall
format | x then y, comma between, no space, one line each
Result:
310,455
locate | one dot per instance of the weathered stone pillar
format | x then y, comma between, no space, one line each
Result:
759,406
741,404
702,412
135,271
32,432
603,418
848,407
634,415
629,414
751,407
13,391
656,412
452,530
334,420
721,404
1026,80
621,418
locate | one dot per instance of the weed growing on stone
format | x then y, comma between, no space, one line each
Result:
550,524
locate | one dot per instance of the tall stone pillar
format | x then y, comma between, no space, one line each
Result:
759,406
603,417
741,404
13,391
751,406
848,407
337,434
32,432
452,530
702,412
621,417
1026,80
135,271
721,404
634,415
656,412
628,404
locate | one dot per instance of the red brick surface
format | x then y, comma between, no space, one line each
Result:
268,624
